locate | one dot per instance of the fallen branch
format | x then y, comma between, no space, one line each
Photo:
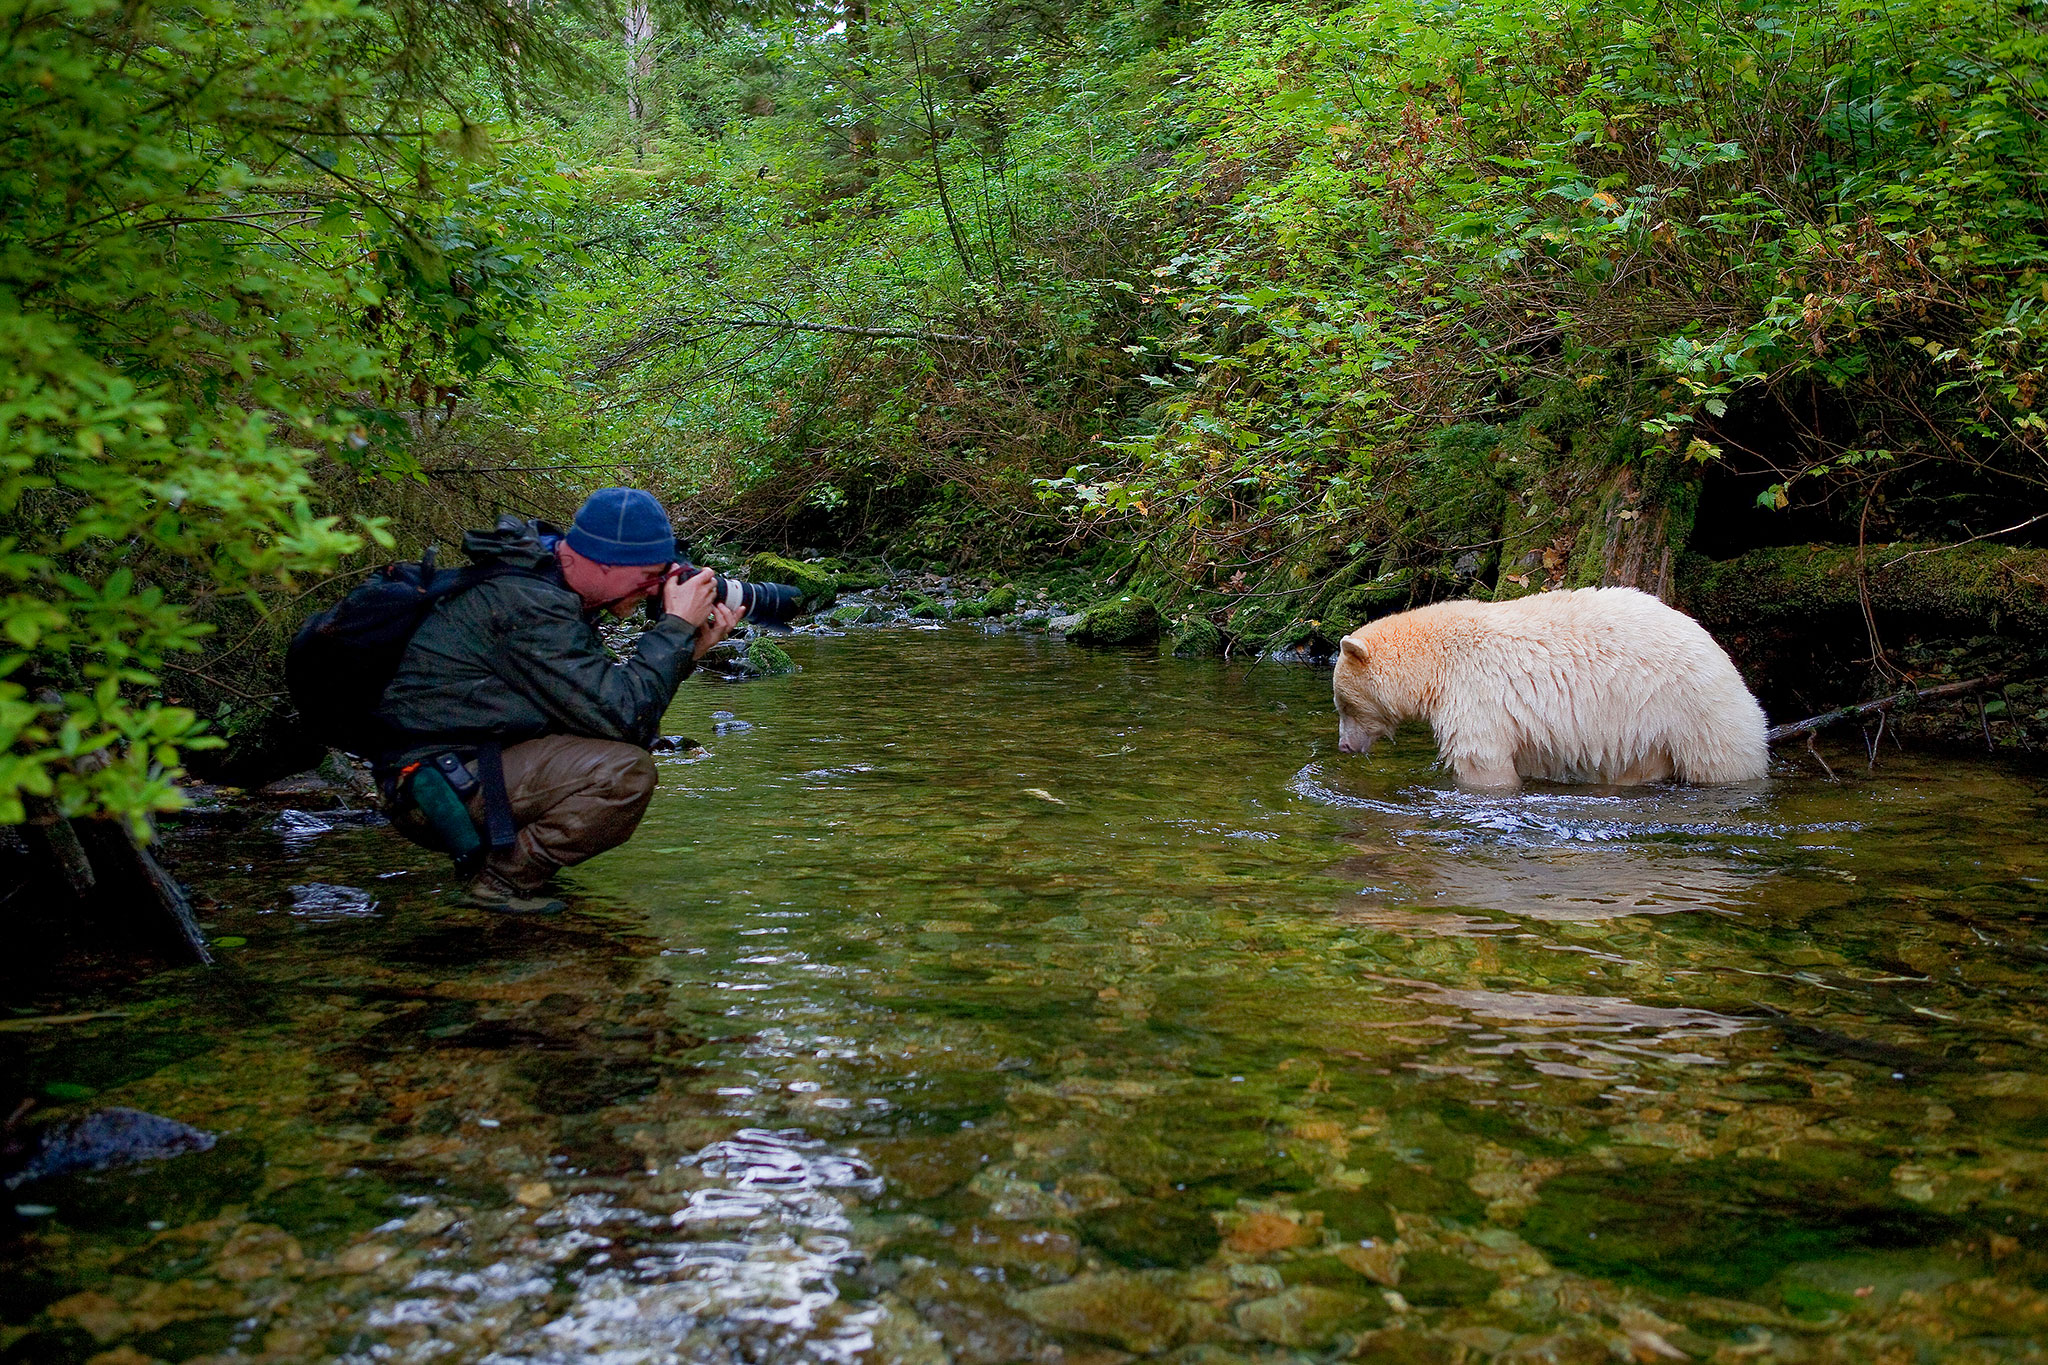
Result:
835,329
1779,733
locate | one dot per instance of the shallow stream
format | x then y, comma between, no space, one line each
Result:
984,999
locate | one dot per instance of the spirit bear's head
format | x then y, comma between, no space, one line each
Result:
1365,714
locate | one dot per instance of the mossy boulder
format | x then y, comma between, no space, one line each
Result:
852,614
1384,595
924,609
767,659
1001,602
818,587
1195,638
1124,621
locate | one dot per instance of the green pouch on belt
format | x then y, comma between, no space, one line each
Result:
436,800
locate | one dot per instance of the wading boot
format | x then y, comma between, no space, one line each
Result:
491,892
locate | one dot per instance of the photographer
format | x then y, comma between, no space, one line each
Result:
508,693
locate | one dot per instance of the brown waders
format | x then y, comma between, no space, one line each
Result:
571,798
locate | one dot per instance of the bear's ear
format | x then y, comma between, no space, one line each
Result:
1353,650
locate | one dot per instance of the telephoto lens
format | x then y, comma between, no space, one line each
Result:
768,604
773,603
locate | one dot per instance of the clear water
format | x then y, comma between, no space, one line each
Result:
992,1000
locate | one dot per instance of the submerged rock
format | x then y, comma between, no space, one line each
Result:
1126,621
1150,1234
324,902
105,1139
1430,1277
1309,1315
1131,1311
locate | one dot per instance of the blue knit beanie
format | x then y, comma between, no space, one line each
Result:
622,526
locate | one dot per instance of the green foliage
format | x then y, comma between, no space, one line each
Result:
221,253
1810,234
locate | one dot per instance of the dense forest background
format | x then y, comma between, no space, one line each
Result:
1284,314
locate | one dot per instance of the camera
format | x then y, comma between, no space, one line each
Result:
767,603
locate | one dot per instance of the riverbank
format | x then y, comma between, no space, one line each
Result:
1812,628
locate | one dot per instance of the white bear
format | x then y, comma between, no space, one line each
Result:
1601,685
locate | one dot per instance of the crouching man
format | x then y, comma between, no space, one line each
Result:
507,695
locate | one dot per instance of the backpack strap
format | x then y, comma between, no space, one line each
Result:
498,823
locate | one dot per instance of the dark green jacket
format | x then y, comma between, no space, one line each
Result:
517,657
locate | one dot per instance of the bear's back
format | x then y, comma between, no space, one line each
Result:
1593,679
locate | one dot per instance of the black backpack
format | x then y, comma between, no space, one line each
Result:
342,659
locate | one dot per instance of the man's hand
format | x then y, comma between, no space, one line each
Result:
690,599
723,619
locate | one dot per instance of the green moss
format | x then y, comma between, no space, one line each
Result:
852,614
1353,607
1152,1233
1968,588
1125,621
767,658
1195,638
817,586
1001,602
924,609
1431,1277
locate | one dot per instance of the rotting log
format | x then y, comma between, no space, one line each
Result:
1777,734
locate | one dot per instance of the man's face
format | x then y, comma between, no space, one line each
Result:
616,587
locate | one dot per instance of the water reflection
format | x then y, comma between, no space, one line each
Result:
1566,856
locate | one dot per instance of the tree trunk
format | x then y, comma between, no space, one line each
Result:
862,140
639,70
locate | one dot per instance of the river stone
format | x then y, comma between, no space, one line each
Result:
1066,624
194,1186
1354,1215
927,1167
1125,621
1406,1346
1043,1252
1000,602
1430,1277
107,1138
1131,1311
816,585
767,659
1149,1234
1309,1315
1196,639
1330,1272
925,609
853,614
